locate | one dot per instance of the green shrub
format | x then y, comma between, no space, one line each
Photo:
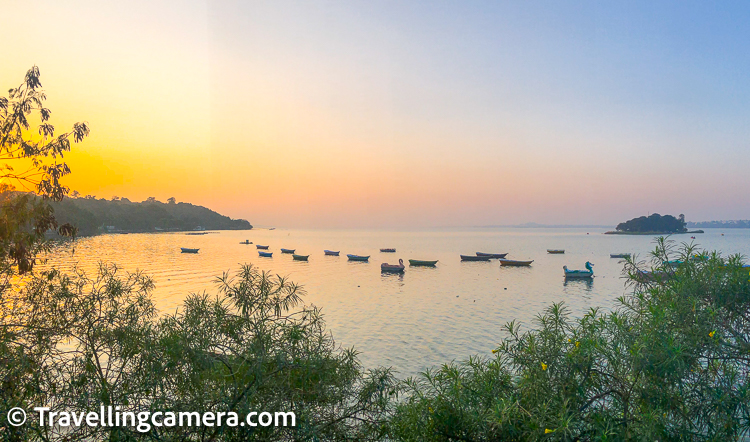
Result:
75,343
670,363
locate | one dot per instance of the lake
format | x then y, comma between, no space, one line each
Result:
423,318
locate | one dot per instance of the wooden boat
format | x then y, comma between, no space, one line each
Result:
247,241
358,257
331,253
393,268
265,254
388,250
588,273
288,251
619,255
475,258
418,262
515,263
260,247
555,251
493,255
186,250
300,257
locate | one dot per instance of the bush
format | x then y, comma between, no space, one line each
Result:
671,363
77,343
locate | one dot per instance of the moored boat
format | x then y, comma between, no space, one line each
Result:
493,255
260,247
475,258
265,254
588,273
388,250
186,250
300,257
515,263
287,251
619,255
247,241
393,268
555,251
419,262
358,257
331,253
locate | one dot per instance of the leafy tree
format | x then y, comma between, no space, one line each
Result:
171,200
32,163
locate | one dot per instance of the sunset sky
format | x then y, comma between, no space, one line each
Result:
397,113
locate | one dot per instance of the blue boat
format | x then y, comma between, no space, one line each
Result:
260,247
186,250
588,273
358,257
331,253
265,254
288,251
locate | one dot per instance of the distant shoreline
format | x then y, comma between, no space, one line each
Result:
615,232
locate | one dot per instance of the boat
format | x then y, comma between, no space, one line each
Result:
673,263
393,268
619,255
331,253
272,228
588,273
493,255
475,258
515,263
388,250
555,251
300,257
260,247
287,251
421,263
265,254
186,250
247,241
358,257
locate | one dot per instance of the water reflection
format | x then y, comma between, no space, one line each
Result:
585,283
413,321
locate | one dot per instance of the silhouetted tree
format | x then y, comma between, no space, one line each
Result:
24,202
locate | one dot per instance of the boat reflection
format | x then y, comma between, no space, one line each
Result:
586,284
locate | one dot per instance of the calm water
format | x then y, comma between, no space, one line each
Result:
427,316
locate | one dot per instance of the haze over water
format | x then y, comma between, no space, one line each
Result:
427,316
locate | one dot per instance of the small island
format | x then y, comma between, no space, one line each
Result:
654,224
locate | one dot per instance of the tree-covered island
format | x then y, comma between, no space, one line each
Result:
654,224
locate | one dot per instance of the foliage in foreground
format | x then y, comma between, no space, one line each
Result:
76,343
672,363
32,160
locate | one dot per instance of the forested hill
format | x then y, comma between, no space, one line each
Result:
93,216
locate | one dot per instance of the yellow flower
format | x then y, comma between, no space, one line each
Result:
430,408
570,340
711,335
578,344
494,351
544,366
548,431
